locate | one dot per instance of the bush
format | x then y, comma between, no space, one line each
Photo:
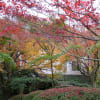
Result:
77,83
45,83
28,84
25,72
20,84
68,93
25,81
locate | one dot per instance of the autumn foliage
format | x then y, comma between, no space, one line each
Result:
73,24
71,93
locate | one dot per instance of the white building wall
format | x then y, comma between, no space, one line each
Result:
69,70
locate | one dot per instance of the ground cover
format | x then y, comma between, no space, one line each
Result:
65,93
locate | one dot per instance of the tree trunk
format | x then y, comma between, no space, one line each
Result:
94,84
52,73
3,88
93,81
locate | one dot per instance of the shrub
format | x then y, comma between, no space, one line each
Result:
68,93
26,80
20,84
77,83
25,73
28,84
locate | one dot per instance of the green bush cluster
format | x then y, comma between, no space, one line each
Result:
77,83
24,81
25,73
28,84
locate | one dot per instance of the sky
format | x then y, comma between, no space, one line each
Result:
97,4
46,5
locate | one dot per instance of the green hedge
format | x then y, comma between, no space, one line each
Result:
79,78
78,83
28,84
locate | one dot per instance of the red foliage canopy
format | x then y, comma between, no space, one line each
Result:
79,15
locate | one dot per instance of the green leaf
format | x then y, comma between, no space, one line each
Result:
7,58
73,47
46,57
5,40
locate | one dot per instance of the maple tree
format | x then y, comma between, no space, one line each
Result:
80,13
78,19
44,55
7,64
86,54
